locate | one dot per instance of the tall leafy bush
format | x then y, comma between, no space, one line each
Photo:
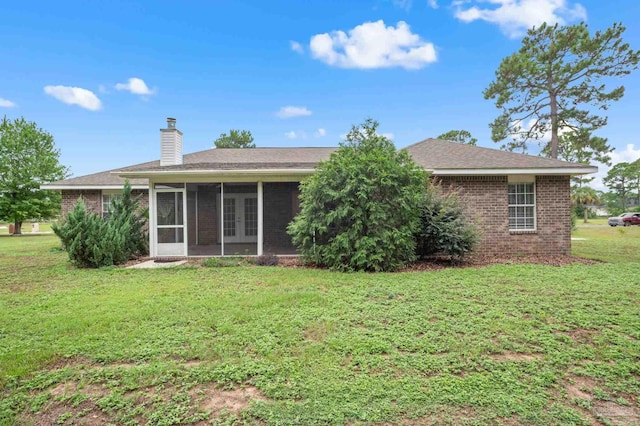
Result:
445,228
360,210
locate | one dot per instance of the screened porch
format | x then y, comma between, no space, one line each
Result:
222,219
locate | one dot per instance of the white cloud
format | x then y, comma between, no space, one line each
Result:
6,103
373,45
433,4
75,96
102,88
320,133
403,4
515,17
629,154
292,111
137,86
295,135
296,47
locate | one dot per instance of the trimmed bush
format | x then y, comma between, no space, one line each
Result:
445,228
360,210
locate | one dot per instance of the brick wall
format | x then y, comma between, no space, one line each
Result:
93,199
486,201
280,206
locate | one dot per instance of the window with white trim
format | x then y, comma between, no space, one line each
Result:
107,203
522,206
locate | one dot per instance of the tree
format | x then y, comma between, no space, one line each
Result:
619,180
581,146
584,196
361,208
235,139
555,81
28,159
461,136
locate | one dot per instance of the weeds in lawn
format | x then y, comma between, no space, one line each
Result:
507,344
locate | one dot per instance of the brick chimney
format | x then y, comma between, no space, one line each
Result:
170,144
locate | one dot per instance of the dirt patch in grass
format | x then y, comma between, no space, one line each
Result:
580,335
601,412
57,412
231,401
617,414
579,387
515,356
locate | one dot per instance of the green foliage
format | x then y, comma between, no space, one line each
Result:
461,136
235,139
621,179
360,210
28,159
581,146
445,228
555,81
91,241
127,211
94,242
584,196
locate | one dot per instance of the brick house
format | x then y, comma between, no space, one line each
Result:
221,202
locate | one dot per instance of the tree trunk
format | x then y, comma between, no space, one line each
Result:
17,228
554,117
586,213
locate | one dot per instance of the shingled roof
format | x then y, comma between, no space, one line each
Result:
437,156
446,157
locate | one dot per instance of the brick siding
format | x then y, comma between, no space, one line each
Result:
486,201
93,199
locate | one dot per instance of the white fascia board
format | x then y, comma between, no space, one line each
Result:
85,187
493,172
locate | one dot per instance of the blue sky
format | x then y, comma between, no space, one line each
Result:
103,76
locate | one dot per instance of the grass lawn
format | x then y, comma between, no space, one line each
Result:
505,344
26,227
597,240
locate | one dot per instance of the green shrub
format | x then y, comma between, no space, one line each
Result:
360,210
445,228
93,242
127,212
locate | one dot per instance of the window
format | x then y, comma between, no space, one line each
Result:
522,206
107,203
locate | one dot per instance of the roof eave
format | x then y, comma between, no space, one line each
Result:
81,187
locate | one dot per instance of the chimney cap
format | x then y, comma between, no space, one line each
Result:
171,123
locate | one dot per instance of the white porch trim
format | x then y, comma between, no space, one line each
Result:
260,219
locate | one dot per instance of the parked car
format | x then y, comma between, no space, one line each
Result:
625,219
